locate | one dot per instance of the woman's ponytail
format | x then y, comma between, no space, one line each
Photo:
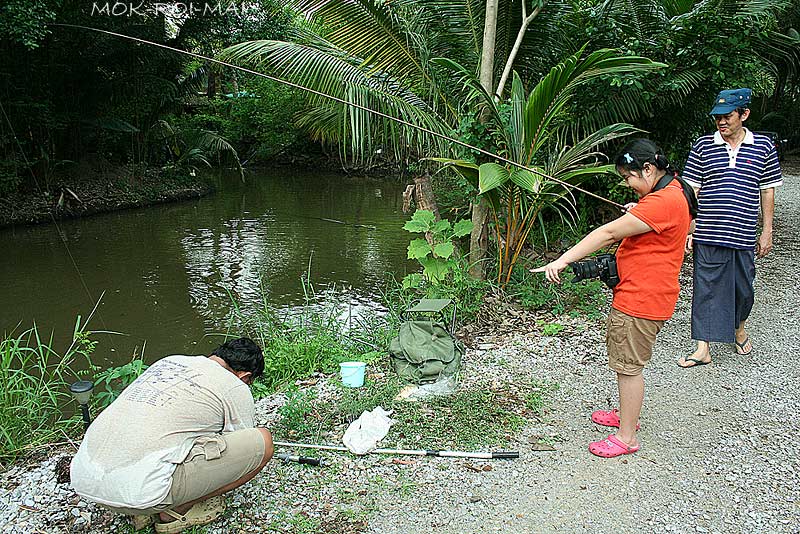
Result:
641,151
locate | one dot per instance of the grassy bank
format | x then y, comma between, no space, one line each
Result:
35,390
302,350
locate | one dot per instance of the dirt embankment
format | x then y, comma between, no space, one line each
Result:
92,187
87,190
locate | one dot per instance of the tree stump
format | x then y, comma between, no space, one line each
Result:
421,193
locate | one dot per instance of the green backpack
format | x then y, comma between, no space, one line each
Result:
425,350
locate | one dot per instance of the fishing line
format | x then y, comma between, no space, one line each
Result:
351,104
60,232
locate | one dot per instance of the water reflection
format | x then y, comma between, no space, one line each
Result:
170,272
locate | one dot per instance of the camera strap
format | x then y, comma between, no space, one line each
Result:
688,192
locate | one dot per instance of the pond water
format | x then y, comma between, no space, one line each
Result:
168,272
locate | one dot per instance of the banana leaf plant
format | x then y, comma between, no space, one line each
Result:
534,134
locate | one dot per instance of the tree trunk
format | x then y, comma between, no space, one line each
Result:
487,51
213,81
479,238
526,21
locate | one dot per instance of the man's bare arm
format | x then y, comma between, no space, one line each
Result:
764,244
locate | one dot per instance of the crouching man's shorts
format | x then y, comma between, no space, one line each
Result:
213,462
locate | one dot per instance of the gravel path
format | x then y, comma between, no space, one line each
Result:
719,445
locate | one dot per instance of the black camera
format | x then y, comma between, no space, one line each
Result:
602,266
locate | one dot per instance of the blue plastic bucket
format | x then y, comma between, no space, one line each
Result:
352,373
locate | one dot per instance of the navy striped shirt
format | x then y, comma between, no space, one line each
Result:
730,181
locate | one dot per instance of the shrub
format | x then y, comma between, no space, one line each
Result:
114,379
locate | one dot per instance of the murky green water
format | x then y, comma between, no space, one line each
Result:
168,271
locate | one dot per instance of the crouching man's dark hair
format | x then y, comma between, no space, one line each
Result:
242,355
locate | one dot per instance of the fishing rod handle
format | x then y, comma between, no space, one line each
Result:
309,461
477,455
300,459
505,454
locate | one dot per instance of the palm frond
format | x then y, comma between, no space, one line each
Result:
457,25
334,74
210,144
572,157
553,93
371,30
754,8
674,8
477,94
645,18
363,131
624,104
775,47
517,119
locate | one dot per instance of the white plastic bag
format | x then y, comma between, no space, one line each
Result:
364,433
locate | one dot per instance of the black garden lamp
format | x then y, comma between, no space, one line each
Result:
82,392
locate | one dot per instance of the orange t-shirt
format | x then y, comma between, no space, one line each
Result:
648,264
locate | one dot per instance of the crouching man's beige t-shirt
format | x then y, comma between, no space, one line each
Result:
130,451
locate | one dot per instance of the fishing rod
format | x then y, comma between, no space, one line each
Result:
351,104
410,452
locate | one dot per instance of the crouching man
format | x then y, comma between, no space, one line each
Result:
176,439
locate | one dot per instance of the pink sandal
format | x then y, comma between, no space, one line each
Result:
611,447
608,418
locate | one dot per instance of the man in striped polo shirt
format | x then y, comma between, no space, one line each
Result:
732,172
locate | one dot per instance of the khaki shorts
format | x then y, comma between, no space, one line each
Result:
213,462
630,341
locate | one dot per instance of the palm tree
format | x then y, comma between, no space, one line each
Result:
382,55
191,149
534,136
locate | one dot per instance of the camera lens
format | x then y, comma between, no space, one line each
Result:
585,269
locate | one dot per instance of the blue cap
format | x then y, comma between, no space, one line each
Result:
730,100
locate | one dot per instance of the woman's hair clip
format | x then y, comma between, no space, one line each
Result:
628,158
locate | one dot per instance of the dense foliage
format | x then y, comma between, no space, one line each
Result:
35,391
398,57
72,95
708,46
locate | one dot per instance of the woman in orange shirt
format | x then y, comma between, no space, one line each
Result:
653,233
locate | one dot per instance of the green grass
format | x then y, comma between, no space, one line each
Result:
35,382
314,338
537,398
466,420
293,524
304,418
